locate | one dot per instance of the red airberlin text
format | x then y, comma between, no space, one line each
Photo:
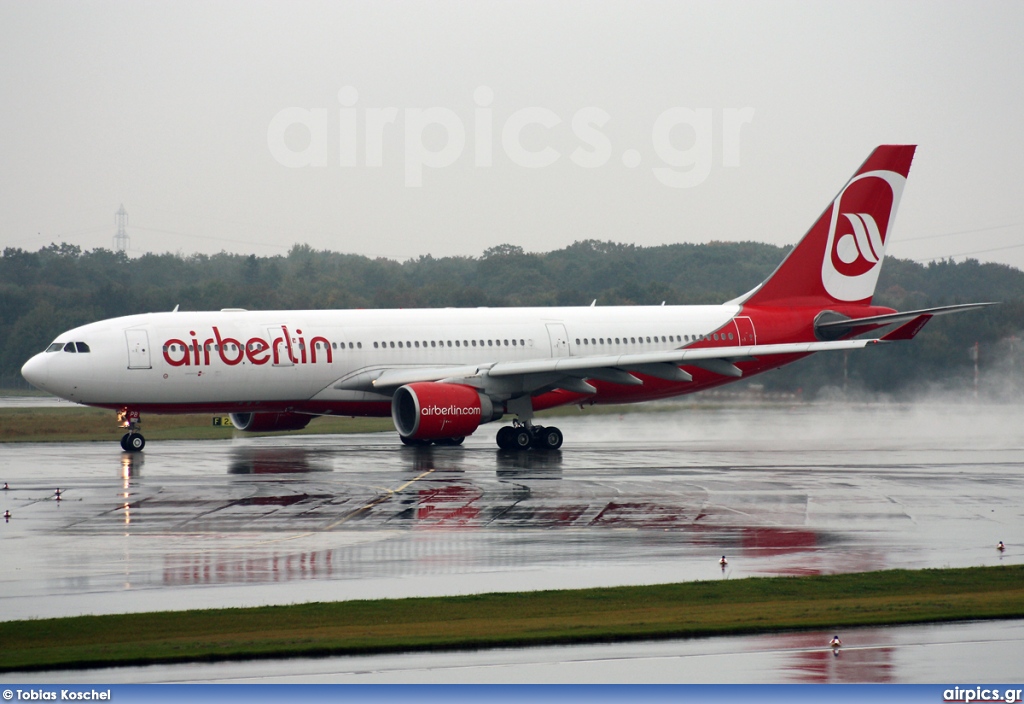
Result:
286,349
436,410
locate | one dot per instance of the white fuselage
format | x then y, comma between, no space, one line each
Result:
173,362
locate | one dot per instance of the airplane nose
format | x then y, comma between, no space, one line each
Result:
36,372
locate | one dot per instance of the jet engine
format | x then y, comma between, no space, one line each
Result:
268,422
432,411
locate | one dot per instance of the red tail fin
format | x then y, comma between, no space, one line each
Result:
840,257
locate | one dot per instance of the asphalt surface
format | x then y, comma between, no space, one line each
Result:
639,498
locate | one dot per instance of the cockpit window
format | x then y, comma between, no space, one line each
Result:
55,347
70,347
82,347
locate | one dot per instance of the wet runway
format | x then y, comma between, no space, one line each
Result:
639,498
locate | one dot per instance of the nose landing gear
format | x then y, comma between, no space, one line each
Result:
132,441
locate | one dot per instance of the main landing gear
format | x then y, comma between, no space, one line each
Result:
132,441
520,436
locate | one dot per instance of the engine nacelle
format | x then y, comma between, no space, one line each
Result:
431,411
269,422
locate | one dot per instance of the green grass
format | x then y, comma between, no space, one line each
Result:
517,619
80,424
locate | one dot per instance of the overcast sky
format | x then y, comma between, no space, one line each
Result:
230,125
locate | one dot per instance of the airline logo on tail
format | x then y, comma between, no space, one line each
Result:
847,242
861,216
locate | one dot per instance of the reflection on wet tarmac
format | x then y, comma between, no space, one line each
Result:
479,521
808,660
630,499
276,460
131,464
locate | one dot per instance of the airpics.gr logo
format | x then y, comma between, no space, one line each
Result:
861,217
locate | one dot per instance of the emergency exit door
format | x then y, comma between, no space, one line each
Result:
559,340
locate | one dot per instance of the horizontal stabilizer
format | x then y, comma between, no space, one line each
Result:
839,327
908,330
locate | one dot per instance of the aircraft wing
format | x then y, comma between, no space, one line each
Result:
617,367
569,372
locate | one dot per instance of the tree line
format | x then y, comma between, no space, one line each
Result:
60,286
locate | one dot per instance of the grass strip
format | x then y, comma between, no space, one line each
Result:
690,609
81,424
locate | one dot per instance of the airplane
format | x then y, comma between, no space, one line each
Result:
442,373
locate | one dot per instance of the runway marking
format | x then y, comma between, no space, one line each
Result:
388,493
379,500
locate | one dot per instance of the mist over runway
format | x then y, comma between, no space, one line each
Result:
631,499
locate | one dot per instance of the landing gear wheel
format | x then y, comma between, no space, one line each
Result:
520,438
412,442
505,439
547,438
133,442
452,442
